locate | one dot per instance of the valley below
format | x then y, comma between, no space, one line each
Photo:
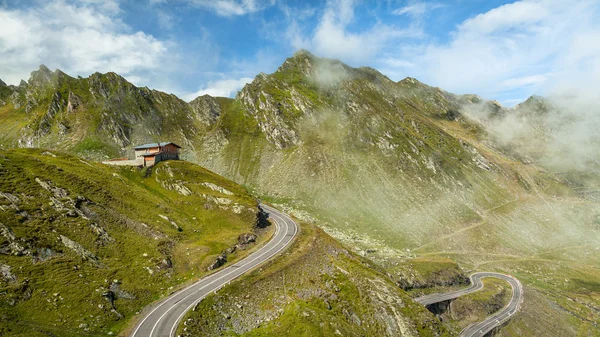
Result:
401,190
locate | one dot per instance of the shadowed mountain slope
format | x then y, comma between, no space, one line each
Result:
396,170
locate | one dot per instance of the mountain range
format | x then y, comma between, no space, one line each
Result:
412,177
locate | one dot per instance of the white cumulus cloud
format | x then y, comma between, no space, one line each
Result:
332,38
524,46
79,37
220,88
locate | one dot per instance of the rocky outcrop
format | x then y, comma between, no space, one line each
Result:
73,103
139,227
262,218
219,261
177,186
173,223
6,274
63,203
54,109
103,237
78,249
12,200
245,239
244,242
11,246
115,287
217,188
206,109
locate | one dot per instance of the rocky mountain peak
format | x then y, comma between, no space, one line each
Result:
41,76
2,84
470,99
410,80
302,61
206,108
534,104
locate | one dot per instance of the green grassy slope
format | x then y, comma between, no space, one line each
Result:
395,170
318,288
99,117
72,231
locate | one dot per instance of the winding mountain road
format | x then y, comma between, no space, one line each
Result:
481,328
164,318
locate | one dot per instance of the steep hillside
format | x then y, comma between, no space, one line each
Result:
397,170
83,247
318,289
97,117
392,164
406,174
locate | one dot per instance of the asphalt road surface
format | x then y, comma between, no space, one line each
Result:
481,328
164,317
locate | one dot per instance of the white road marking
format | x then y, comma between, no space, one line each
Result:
252,261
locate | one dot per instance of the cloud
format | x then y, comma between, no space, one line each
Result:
524,81
232,7
79,37
417,9
332,38
220,88
165,20
518,48
397,63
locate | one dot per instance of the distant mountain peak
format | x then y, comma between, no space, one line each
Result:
2,83
41,76
534,104
303,52
43,68
411,82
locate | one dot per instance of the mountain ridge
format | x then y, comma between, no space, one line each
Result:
399,171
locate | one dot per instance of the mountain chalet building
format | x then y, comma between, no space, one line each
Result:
149,155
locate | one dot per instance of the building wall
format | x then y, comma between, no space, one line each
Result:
149,161
170,152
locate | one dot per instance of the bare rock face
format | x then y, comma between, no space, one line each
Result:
115,287
42,254
217,188
41,77
206,108
245,239
11,246
103,236
221,260
78,249
73,102
6,274
268,111
262,218
53,109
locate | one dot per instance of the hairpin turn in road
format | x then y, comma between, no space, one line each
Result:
164,317
481,328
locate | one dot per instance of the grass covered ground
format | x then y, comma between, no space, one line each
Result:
84,246
317,288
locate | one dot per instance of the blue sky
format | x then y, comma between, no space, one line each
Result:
500,50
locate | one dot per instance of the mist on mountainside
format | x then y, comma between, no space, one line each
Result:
560,131
394,170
